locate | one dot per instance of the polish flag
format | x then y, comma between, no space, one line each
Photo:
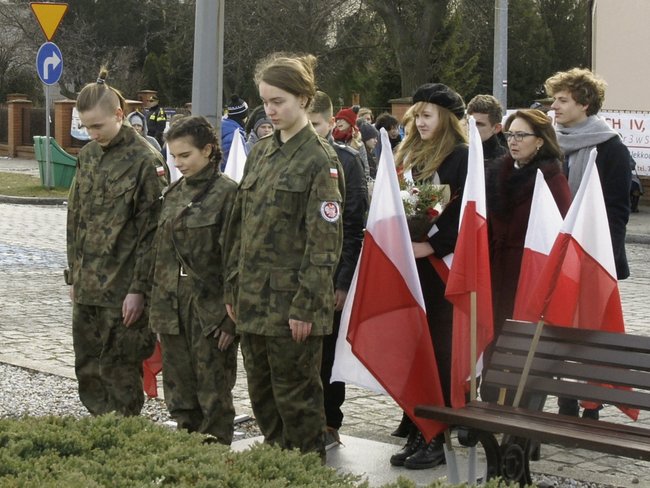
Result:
236,158
577,286
470,273
384,318
544,224
150,369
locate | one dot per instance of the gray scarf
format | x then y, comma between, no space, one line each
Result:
578,141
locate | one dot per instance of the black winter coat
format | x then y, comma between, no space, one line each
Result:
613,163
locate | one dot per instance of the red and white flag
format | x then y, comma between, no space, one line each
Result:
236,158
577,286
544,224
384,318
470,273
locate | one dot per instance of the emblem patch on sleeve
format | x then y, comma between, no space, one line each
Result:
330,211
160,171
334,173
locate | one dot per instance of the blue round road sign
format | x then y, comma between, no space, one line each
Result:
49,63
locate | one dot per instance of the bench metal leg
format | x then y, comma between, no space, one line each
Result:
515,456
471,437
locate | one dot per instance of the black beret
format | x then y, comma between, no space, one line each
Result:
441,95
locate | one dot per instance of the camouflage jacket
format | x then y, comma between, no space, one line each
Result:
191,234
285,235
113,211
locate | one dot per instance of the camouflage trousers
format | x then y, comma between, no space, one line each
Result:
198,378
285,389
108,359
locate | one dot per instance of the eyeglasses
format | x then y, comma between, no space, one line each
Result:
518,136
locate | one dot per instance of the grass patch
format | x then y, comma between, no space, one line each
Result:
20,185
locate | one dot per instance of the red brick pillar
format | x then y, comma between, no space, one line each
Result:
63,121
17,109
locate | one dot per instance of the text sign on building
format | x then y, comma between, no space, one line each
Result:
634,129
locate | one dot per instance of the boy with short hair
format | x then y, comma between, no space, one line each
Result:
354,213
578,95
488,114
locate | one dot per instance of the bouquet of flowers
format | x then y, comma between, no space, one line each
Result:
423,204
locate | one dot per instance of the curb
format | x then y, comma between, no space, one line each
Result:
637,239
33,200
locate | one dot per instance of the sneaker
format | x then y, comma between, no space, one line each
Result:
332,438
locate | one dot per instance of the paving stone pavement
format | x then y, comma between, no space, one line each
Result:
35,321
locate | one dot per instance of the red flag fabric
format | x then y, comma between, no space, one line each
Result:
577,286
544,224
388,330
150,368
470,272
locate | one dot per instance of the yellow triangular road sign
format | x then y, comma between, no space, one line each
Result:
49,16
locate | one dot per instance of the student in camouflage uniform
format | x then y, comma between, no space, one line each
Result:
354,217
187,309
112,217
286,233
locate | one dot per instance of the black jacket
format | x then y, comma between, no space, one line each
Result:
613,163
355,208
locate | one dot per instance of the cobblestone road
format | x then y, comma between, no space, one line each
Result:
35,317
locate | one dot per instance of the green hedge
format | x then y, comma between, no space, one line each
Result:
51,452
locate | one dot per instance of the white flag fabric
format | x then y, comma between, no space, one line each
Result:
544,224
236,158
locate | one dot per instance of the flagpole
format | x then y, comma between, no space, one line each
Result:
471,464
528,364
472,352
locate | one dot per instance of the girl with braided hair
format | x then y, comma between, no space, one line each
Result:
187,309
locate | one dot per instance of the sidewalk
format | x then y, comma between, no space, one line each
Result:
638,228
35,318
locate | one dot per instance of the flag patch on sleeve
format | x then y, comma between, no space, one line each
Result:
160,170
334,173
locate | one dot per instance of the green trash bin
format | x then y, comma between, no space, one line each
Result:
64,165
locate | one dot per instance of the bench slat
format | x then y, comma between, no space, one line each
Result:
587,353
543,427
579,391
579,336
579,371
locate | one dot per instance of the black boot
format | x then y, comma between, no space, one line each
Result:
404,427
414,442
428,456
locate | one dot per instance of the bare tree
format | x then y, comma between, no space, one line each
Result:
412,27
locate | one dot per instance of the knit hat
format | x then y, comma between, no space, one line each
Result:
237,109
441,95
136,118
262,121
348,115
368,131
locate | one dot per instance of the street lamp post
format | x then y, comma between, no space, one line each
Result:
500,70
207,73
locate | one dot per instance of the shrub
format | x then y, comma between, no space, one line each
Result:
49,452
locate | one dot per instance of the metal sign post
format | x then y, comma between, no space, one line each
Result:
49,65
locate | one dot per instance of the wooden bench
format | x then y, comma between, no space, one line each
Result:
571,363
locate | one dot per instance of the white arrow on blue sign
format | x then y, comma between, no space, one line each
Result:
49,63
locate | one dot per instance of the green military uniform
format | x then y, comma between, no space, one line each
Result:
187,305
113,212
286,234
